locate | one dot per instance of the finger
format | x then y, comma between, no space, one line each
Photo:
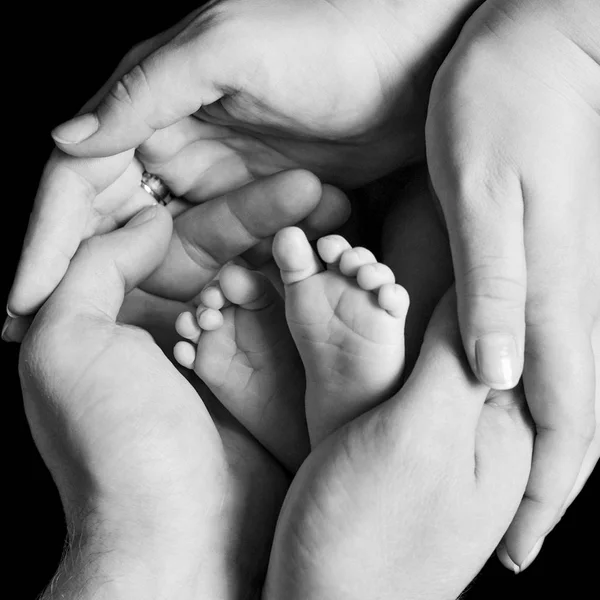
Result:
560,386
171,82
332,211
457,406
197,160
106,267
209,235
134,56
593,453
485,227
62,216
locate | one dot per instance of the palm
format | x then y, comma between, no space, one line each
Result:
324,100
338,88
153,440
247,482
439,469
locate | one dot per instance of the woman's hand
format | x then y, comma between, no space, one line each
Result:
165,495
513,144
235,92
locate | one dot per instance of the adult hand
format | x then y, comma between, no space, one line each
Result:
165,495
246,218
410,499
234,92
513,147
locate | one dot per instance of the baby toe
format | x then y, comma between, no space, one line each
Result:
212,296
393,298
294,256
373,276
185,354
354,258
187,327
249,289
209,319
331,248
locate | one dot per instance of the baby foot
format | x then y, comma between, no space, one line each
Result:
240,346
348,324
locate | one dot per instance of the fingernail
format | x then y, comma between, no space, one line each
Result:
496,355
5,327
506,560
15,328
143,216
76,130
10,313
533,554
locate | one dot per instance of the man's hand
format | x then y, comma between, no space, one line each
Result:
235,92
164,494
410,499
513,144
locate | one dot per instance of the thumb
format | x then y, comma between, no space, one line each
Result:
106,267
160,82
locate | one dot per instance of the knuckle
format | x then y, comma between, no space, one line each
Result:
89,246
137,52
490,184
586,431
487,282
131,87
548,505
580,429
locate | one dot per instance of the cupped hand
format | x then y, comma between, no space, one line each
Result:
336,87
247,218
410,499
237,91
513,143
164,494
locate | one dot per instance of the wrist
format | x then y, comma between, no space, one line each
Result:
99,565
110,556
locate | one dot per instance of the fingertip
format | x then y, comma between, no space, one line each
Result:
306,183
75,131
533,554
498,361
505,559
15,328
297,192
331,212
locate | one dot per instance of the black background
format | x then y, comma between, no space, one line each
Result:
54,62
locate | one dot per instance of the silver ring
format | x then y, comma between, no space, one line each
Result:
156,187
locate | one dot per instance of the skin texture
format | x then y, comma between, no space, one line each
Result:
153,477
532,168
124,469
581,294
442,456
208,115
427,467
173,497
